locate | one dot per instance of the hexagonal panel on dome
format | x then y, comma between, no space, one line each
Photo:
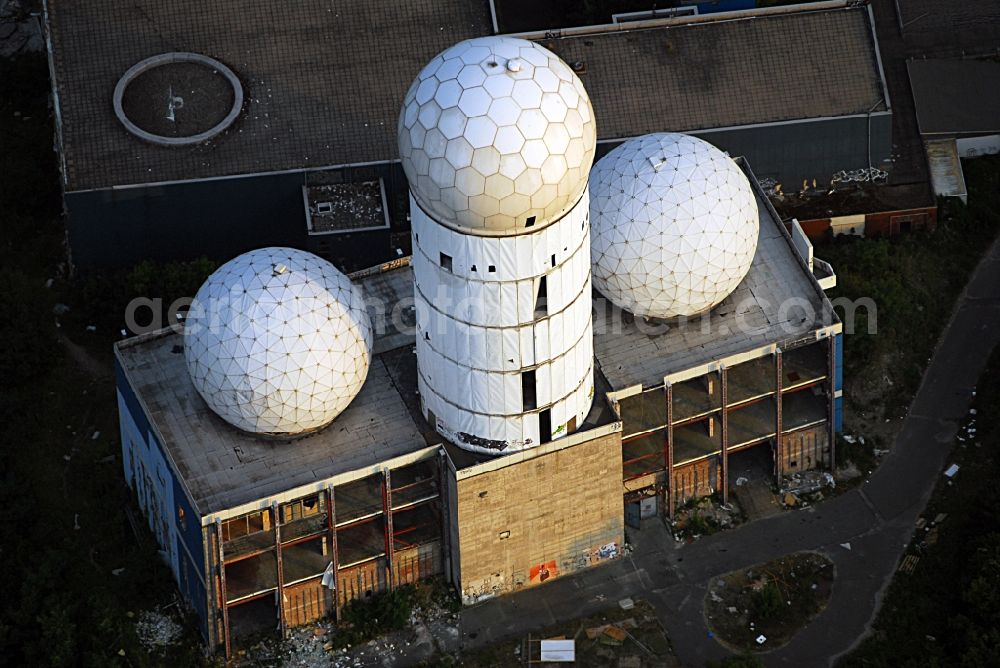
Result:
278,341
674,225
509,117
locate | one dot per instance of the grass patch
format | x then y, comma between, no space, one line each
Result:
775,600
946,611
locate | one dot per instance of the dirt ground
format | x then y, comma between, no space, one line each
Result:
772,601
632,638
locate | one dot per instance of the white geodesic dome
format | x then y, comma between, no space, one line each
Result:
496,135
278,341
674,225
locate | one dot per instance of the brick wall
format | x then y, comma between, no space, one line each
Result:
805,450
540,518
695,480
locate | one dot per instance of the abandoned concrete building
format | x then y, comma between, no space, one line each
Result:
267,533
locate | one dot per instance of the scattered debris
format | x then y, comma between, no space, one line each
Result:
156,630
626,604
909,563
940,517
846,546
741,481
613,635
951,471
807,482
761,639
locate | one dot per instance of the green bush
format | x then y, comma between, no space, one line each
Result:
767,602
384,612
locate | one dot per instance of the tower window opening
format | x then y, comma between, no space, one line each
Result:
545,426
542,298
446,262
492,269
553,259
529,397
530,222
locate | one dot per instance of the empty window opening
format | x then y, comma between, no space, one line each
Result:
553,259
528,393
545,425
571,425
542,299
530,222
492,269
473,267
446,262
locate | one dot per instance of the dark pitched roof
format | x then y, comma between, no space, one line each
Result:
324,80
955,97
760,69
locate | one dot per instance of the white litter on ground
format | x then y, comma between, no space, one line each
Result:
156,629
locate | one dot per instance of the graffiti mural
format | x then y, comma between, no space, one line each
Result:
542,572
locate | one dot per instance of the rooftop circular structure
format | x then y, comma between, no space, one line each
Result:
178,99
496,135
674,225
278,342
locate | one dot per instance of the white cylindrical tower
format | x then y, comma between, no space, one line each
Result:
497,138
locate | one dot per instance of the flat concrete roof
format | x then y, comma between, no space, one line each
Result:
324,81
956,97
223,467
697,74
771,306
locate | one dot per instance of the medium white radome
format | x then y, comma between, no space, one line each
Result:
278,341
495,131
674,225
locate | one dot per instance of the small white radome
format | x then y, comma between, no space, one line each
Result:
674,225
278,341
496,134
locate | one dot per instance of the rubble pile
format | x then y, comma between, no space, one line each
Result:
428,632
704,516
156,630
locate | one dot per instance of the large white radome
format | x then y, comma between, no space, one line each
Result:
495,130
278,341
674,225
